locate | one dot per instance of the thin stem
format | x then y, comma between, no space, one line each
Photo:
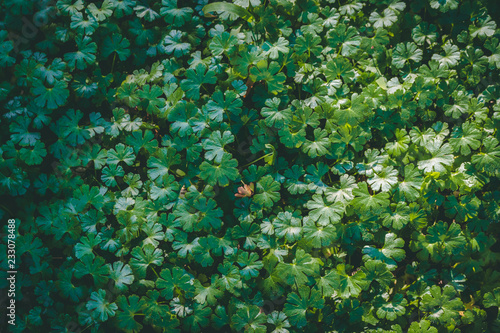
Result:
155,272
113,65
257,159
7,210
86,328
98,182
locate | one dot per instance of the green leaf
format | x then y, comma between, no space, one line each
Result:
325,213
110,172
120,153
271,75
339,67
102,13
128,309
122,275
173,44
485,27
199,318
86,246
444,5
84,25
33,155
317,234
302,267
398,217
267,191
350,285
442,307
300,302
209,294
230,277
160,164
52,96
451,57
275,117
442,157
220,105
399,146
492,299
174,281
288,226
118,44
442,242
229,8
403,53
390,253
142,140
100,307
214,145
328,284
158,313
308,44
423,326
195,78
20,133
174,15
364,201
392,309
251,318
489,156
273,50
378,271
96,268
320,146
143,257
220,317
409,188
67,286
279,320
223,43
384,179
347,38
150,95
220,173
250,265
385,20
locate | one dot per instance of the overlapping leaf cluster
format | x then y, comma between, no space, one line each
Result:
368,128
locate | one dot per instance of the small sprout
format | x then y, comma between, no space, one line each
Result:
245,190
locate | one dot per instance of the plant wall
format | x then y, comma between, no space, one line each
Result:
256,166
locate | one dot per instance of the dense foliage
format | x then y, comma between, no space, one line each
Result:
361,138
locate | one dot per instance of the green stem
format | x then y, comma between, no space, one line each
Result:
257,159
155,272
86,328
113,65
7,210
98,182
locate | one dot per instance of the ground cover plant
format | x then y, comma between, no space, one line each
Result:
255,166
